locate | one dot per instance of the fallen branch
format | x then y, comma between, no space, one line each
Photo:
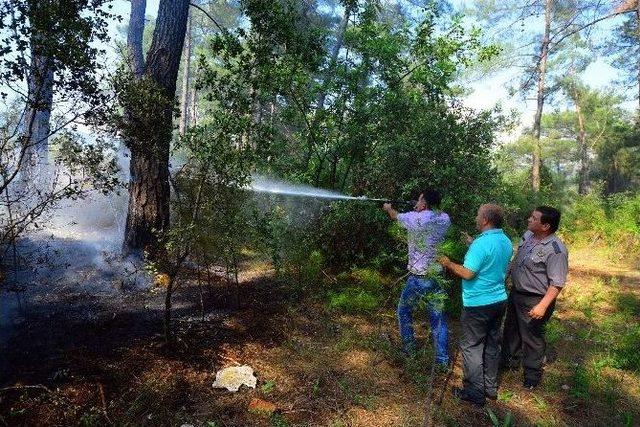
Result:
104,403
21,387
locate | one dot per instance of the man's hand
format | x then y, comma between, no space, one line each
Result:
393,214
537,312
444,261
466,238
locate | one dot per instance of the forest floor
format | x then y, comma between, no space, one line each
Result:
77,358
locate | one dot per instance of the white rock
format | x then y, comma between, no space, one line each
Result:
233,377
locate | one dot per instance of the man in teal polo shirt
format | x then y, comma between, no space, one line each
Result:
484,301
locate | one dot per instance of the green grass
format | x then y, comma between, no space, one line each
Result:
354,301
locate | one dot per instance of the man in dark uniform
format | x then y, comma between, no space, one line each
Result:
538,273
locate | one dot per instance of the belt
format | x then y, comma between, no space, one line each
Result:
526,293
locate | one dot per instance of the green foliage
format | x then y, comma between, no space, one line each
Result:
495,421
145,104
86,163
63,32
354,234
354,300
267,387
612,222
361,291
553,331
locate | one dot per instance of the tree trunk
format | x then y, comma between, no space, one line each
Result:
186,75
542,68
148,199
194,107
583,180
148,211
37,116
134,36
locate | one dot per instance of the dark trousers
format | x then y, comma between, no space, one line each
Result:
524,337
480,348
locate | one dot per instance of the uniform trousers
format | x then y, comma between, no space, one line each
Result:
523,341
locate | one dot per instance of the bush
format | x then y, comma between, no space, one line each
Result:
354,300
610,222
356,235
360,291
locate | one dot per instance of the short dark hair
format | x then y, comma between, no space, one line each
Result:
493,213
432,197
549,216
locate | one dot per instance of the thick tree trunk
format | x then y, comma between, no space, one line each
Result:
149,198
542,68
148,211
186,75
37,126
134,36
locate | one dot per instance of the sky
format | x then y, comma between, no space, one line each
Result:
486,92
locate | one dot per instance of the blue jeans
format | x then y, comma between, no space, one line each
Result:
416,288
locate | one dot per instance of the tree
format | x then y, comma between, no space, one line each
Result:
186,77
624,50
555,21
597,128
147,125
49,60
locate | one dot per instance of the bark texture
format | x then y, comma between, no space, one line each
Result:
37,126
149,191
134,36
186,77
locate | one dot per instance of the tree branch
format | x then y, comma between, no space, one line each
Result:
222,30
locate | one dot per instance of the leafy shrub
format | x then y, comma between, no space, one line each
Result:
360,291
612,222
354,235
354,300
368,279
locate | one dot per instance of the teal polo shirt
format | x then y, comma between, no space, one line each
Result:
488,257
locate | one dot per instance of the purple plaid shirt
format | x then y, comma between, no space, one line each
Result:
425,230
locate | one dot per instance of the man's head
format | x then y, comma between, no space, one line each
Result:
544,220
428,199
489,216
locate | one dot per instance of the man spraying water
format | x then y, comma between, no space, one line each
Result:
426,227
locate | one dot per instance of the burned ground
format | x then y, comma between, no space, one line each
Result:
74,357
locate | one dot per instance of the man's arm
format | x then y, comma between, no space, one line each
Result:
557,269
539,310
457,269
393,214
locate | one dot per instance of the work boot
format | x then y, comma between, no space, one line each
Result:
462,394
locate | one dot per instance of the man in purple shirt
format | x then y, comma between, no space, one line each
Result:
426,227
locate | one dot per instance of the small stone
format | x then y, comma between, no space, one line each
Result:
232,378
565,387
